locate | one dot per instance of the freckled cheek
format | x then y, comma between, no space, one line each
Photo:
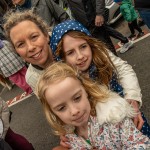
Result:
22,53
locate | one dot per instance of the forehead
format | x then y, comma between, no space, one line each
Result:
62,90
26,24
23,28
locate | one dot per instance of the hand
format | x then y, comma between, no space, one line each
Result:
138,120
63,141
99,20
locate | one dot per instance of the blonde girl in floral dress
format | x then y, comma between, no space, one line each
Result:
70,101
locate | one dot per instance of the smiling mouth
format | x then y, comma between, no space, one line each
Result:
37,55
82,63
79,119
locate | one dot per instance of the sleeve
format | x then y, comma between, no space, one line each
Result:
132,138
32,76
59,14
5,116
127,78
126,13
114,110
100,7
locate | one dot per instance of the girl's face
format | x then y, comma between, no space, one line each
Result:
77,52
31,44
68,100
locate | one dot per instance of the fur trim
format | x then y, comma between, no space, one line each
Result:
114,110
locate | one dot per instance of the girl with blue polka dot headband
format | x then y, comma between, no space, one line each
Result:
72,43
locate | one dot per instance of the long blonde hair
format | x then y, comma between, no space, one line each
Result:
101,58
58,72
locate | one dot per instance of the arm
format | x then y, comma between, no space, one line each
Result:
132,92
127,78
100,12
59,14
131,137
5,116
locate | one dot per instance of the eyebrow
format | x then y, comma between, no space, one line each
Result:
79,91
79,47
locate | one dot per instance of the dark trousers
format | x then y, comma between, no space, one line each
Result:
133,25
115,34
102,34
17,142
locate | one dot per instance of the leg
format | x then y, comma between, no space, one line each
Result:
17,142
130,25
5,82
115,34
135,25
19,79
4,145
101,34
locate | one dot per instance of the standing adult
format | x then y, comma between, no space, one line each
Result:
47,9
143,7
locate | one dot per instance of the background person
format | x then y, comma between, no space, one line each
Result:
15,141
47,9
13,67
130,15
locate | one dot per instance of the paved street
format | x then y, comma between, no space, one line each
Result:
28,118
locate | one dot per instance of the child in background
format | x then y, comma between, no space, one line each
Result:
130,15
70,102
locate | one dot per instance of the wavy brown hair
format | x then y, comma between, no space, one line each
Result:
58,72
100,54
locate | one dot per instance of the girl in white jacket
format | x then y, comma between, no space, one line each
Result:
72,43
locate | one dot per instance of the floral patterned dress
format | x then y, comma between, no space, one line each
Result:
120,136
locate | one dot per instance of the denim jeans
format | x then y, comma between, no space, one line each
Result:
145,15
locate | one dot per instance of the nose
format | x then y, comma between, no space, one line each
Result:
30,46
74,110
79,55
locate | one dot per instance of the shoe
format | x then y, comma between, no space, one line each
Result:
140,34
132,36
126,47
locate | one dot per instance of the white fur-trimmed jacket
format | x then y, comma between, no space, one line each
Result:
113,109
127,79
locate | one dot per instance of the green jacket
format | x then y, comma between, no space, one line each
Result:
127,10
